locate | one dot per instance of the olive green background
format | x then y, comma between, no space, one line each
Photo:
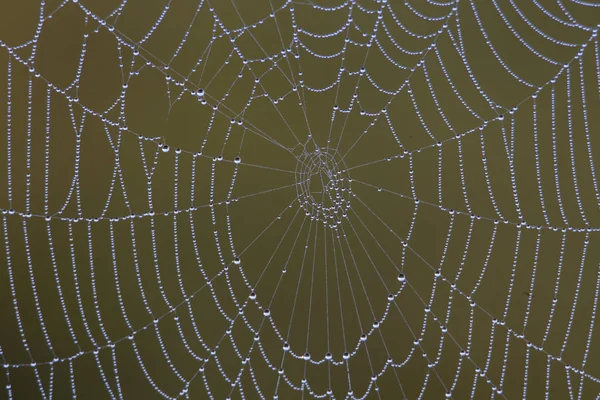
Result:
366,252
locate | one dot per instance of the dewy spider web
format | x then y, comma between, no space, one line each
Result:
268,199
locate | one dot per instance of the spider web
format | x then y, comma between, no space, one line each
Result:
267,199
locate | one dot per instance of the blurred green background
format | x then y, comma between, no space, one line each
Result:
134,69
